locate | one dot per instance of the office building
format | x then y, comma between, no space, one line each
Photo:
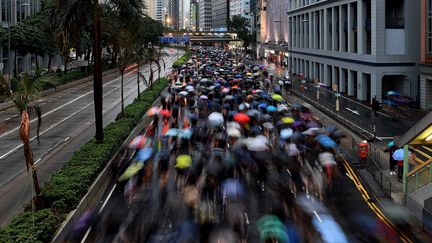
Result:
11,13
220,15
261,23
426,55
205,15
171,17
184,14
240,7
194,15
360,48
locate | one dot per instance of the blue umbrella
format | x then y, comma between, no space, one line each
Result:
398,154
393,93
144,154
238,76
326,141
232,188
329,230
173,132
186,133
271,108
390,144
330,129
262,106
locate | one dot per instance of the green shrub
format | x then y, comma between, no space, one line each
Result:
32,227
68,185
183,59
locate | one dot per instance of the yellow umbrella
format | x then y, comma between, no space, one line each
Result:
287,120
277,97
183,161
248,74
131,171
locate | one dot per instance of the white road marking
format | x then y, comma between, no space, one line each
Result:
53,125
349,176
353,111
59,107
100,210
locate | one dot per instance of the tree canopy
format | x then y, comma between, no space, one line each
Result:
241,26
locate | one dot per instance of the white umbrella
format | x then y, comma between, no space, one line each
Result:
311,131
286,133
282,107
203,97
233,125
326,158
216,119
257,144
183,93
234,133
292,150
268,125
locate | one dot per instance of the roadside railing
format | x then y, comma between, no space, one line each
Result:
320,98
419,177
372,163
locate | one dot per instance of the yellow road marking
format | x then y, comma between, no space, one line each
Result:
372,205
427,148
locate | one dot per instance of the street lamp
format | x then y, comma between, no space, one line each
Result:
9,34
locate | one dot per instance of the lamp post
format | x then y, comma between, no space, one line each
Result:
9,35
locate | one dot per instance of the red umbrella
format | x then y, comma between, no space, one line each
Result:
241,118
138,142
165,113
235,87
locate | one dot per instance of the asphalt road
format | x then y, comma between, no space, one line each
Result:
345,203
67,123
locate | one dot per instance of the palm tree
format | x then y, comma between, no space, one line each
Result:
24,97
70,13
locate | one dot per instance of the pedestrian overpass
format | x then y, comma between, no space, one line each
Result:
202,36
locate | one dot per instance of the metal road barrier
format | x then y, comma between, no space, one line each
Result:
321,99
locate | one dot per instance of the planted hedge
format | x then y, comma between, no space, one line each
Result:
67,186
183,59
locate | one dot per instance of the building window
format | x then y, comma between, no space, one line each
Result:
429,30
395,14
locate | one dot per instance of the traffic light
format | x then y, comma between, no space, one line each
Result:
376,106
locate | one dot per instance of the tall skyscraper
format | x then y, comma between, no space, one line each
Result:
205,15
171,17
184,14
153,9
240,7
194,15
220,15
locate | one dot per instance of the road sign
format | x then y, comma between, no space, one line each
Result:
167,39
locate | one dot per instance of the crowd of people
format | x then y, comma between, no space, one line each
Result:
226,159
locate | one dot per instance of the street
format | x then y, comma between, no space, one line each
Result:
150,206
67,124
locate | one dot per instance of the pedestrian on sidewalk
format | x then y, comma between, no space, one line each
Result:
400,164
392,161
